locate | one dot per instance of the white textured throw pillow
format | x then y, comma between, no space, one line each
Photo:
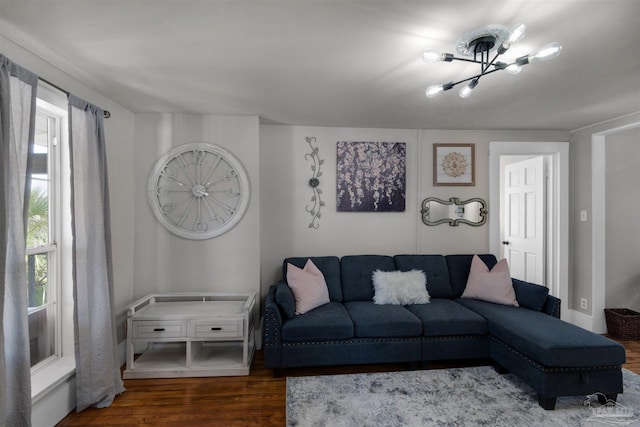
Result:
400,287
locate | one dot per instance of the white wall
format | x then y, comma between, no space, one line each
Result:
285,194
622,223
165,262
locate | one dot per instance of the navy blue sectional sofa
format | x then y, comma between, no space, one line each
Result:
554,357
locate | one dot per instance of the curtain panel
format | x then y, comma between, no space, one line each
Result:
17,127
98,378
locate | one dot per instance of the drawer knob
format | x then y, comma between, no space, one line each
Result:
158,329
216,329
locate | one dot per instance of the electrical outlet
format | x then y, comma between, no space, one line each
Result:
583,303
583,215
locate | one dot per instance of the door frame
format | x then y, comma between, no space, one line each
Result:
559,246
598,224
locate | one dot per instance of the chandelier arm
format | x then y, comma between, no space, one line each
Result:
485,61
457,58
475,61
474,77
490,63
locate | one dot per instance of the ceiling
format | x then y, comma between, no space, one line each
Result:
338,62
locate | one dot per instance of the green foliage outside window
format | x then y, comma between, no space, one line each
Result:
37,235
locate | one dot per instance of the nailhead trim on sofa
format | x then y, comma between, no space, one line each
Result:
547,369
352,341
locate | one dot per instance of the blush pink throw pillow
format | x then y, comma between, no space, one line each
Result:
308,286
491,286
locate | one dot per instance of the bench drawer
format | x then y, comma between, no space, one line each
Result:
216,329
154,329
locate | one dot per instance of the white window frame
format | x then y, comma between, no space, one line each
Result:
59,368
50,249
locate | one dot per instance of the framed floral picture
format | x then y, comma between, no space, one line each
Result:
371,176
454,164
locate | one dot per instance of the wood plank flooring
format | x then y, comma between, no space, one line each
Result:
254,400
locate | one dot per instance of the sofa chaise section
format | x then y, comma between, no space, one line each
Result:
554,357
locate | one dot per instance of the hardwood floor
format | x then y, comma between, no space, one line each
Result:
633,355
254,400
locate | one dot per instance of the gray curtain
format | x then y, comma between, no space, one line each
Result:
98,378
17,126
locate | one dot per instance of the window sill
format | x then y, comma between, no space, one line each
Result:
50,376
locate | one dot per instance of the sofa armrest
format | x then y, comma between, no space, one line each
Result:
552,306
272,331
272,319
536,297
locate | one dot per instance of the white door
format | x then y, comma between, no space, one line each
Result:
524,226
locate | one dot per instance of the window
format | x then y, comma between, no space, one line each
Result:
49,290
42,232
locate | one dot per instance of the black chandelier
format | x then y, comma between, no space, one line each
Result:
477,47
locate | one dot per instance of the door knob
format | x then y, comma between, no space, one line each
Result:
505,242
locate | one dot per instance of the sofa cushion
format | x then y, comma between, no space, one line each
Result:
330,268
308,286
435,268
328,322
459,266
357,275
445,317
371,320
285,299
400,287
493,285
530,295
546,339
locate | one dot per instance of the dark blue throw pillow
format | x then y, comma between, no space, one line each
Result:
530,295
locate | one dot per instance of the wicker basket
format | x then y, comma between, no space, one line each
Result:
623,323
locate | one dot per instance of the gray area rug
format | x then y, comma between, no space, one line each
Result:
476,396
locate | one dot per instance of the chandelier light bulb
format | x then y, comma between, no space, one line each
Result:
513,69
433,91
550,51
466,91
517,33
431,55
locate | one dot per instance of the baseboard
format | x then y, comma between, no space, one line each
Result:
580,319
57,404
